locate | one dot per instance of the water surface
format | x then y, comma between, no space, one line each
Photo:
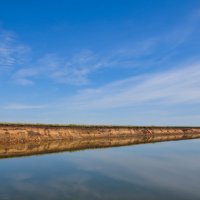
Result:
167,170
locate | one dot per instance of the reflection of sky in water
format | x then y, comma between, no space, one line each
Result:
169,170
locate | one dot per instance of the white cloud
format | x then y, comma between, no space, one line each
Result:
78,68
22,107
175,86
74,70
12,53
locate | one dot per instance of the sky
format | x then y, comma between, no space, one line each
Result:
125,62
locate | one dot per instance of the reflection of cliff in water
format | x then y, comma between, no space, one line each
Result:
32,148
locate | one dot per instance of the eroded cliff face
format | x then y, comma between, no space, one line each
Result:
20,140
33,133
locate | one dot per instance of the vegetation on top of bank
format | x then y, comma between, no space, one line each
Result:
89,125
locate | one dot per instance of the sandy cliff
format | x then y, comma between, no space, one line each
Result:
34,133
20,140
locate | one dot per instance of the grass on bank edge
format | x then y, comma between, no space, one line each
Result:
90,125
67,125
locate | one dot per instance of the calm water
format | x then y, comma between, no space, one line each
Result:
169,170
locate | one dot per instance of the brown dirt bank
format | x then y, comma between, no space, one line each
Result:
23,133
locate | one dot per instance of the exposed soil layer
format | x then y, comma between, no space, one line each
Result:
15,133
20,140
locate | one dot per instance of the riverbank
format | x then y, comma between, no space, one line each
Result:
23,133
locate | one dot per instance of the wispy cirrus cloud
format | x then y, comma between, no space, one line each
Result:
176,86
72,70
23,106
179,86
12,52
78,69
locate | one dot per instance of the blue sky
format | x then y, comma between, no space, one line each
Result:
100,62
